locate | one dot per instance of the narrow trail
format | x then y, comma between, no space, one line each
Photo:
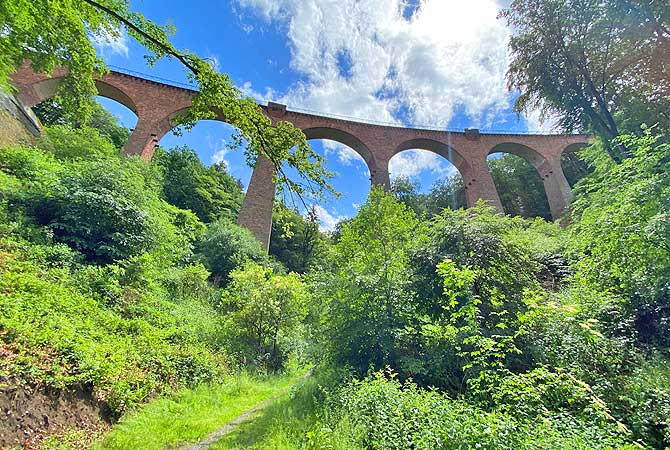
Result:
246,416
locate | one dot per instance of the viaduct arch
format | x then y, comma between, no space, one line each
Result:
157,103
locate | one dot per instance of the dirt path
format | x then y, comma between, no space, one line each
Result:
246,416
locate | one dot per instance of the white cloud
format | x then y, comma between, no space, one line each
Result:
543,125
260,97
114,41
220,156
411,163
345,155
449,56
213,61
328,221
220,150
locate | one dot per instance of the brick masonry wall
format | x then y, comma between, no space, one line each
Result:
156,104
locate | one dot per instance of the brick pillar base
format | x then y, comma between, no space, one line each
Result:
556,186
256,212
479,185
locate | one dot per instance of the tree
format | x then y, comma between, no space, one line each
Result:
519,186
262,308
449,193
296,240
407,191
579,60
574,167
52,33
367,299
50,112
210,192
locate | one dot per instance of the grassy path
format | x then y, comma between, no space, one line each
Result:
214,437
193,414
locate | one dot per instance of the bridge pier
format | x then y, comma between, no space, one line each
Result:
145,137
479,184
256,212
379,174
556,186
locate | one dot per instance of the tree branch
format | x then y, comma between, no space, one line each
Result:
166,48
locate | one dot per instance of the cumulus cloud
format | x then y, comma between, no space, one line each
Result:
220,156
539,124
213,61
328,221
220,150
372,60
261,97
411,163
115,42
345,155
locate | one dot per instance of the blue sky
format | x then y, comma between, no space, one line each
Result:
439,63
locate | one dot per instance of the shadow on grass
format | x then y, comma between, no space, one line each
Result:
282,424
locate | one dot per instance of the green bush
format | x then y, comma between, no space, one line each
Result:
400,416
67,143
262,311
367,301
226,246
106,207
621,230
644,402
66,331
473,281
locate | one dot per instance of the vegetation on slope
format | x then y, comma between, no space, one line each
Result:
433,326
102,282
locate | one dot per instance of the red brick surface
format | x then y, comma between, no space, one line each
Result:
156,104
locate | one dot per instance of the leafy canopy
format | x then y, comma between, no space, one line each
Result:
54,33
594,64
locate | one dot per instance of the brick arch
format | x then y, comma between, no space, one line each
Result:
48,88
440,148
556,187
344,138
521,150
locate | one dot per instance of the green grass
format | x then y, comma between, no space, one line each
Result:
296,420
192,414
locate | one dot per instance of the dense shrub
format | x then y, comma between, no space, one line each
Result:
52,114
263,311
98,282
86,326
392,415
106,207
621,231
226,246
86,143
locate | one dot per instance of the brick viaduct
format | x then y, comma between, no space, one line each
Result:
156,104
